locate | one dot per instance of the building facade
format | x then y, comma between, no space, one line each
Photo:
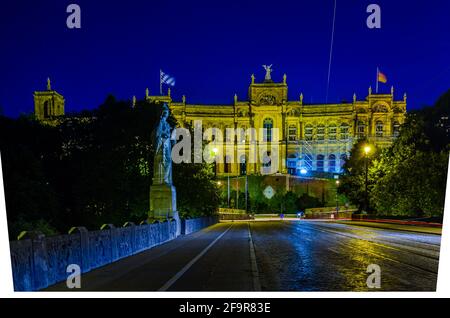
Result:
314,138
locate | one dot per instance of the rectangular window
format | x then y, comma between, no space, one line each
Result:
379,130
332,131
396,129
292,132
320,133
361,130
344,132
308,133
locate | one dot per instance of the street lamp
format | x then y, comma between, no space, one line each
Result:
337,199
367,150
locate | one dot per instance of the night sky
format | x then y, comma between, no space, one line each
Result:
212,48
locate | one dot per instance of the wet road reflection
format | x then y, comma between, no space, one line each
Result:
328,256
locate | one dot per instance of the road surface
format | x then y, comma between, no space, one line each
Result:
276,256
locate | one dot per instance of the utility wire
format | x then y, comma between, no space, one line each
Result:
331,51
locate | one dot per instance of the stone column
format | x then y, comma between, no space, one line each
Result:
39,268
84,247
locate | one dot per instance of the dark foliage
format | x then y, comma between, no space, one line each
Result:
95,167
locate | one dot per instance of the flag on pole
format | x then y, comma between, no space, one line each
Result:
166,79
382,78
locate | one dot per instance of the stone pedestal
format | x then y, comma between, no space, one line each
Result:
163,202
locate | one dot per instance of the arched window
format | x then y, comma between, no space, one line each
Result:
331,163
379,129
227,165
292,133
228,135
46,109
361,129
292,166
268,125
241,134
309,131
396,129
320,162
332,131
243,165
343,160
320,132
216,134
345,131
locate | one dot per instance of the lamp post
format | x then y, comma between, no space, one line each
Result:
367,150
337,199
246,192
215,151
228,191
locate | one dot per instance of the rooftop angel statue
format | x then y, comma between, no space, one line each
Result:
268,72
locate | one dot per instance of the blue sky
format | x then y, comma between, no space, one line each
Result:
212,48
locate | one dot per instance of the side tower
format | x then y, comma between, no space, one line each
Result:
49,104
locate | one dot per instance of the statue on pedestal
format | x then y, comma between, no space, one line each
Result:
163,202
162,167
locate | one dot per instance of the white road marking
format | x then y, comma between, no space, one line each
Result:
177,276
255,272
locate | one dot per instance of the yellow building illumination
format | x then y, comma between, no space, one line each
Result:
48,105
313,137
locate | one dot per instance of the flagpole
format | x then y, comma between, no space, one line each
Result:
160,82
378,73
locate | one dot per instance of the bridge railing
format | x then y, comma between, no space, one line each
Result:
39,261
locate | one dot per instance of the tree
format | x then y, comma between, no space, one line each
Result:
197,191
27,149
412,188
413,172
95,167
306,201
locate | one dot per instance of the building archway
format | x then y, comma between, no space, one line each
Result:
46,109
343,159
331,163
